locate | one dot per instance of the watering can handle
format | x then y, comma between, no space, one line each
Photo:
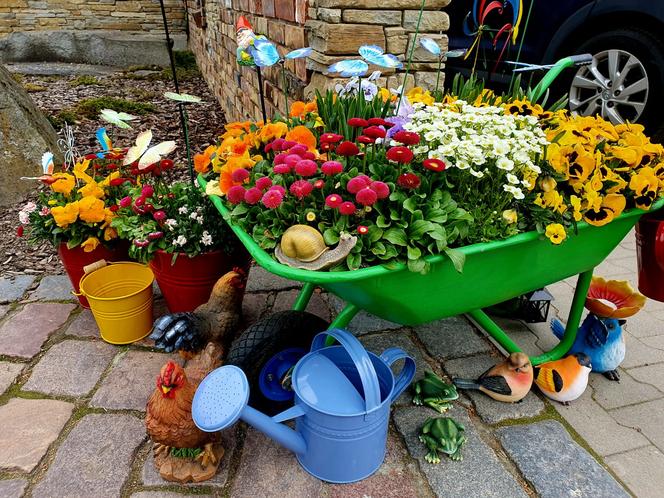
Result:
659,245
361,359
405,377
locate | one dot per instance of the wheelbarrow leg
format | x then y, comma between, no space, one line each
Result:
342,320
303,297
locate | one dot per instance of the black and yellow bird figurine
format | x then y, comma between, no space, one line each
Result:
564,380
508,381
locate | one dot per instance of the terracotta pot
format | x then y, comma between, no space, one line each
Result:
188,283
75,259
650,254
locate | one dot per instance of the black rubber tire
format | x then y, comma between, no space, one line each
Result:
649,49
264,339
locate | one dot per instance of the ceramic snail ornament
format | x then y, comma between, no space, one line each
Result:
302,246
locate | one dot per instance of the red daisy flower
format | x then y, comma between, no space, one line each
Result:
264,183
347,149
434,164
330,138
301,188
374,132
272,199
365,140
366,197
409,180
378,122
358,122
239,175
358,183
362,230
306,167
333,201
253,195
407,137
330,168
319,184
347,208
236,194
400,154
381,189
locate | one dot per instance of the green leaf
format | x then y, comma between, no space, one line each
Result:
410,204
381,222
416,265
378,249
331,236
397,236
414,253
239,210
375,233
458,258
419,228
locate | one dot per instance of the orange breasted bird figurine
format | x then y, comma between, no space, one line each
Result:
508,381
564,380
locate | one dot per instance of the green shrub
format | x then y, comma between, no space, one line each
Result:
90,108
85,80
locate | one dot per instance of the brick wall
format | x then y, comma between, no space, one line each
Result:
335,29
126,15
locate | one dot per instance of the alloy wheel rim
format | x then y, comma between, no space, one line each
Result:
615,86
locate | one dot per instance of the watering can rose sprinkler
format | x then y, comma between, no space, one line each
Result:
343,395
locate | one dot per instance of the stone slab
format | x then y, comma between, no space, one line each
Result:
651,374
642,470
317,304
29,426
12,289
25,332
555,465
12,488
628,391
261,280
53,288
480,473
163,494
254,307
451,338
71,368
95,459
363,322
83,325
639,352
268,469
8,373
647,418
151,477
60,69
490,410
131,381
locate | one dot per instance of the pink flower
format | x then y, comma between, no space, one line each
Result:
147,191
264,183
278,144
330,168
281,169
306,167
159,215
366,197
287,144
239,175
292,159
268,147
253,195
279,189
358,183
236,194
280,158
409,181
381,189
125,202
319,184
333,201
309,155
362,230
299,149
330,138
347,208
155,235
347,149
301,188
272,199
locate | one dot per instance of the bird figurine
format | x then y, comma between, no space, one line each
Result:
508,381
564,380
600,336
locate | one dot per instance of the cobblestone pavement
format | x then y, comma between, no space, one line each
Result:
72,408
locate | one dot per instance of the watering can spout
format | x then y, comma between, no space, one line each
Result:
271,427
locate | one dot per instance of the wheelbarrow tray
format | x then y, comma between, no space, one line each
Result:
493,272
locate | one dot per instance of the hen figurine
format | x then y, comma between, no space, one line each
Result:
564,380
509,381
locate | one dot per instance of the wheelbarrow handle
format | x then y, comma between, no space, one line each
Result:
566,62
405,377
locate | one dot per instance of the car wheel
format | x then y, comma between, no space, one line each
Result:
624,81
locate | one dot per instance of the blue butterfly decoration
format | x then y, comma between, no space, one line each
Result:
349,68
430,46
299,53
377,56
265,54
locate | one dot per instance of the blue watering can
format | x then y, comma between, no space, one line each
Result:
342,406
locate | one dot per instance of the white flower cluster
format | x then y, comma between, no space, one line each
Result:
197,216
171,223
478,139
180,241
206,239
24,214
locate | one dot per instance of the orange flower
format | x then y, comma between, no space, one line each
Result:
297,109
613,298
272,131
202,161
302,135
226,171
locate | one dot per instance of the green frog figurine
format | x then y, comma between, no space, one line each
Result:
445,435
433,392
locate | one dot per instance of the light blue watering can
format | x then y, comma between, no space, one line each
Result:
342,406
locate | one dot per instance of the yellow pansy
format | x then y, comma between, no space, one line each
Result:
64,183
645,185
582,165
212,188
272,131
418,95
91,190
110,233
80,169
576,206
611,207
106,182
91,210
555,232
558,157
90,244
510,216
547,184
65,215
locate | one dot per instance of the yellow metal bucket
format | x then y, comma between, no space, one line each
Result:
120,297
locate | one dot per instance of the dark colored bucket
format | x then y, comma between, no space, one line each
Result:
650,254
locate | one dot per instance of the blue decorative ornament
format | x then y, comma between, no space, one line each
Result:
265,53
299,53
377,56
349,68
430,46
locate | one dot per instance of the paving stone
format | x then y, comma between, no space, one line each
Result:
479,474
8,373
546,341
261,280
95,459
53,288
12,488
83,325
29,426
628,391
12,289
451,338
598,427
519,332
254,307
642,470
268,469
363,322
554,464
4,309
71,368
490,410
639,353
151,477
25,332
163,494
317,304
131,381
647,418
643,325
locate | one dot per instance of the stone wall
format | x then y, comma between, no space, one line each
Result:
124,15
335,29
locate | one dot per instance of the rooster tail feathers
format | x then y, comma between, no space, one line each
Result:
466,384
557,328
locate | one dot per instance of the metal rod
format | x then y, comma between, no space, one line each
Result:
304,296
342,320
261,94
493,329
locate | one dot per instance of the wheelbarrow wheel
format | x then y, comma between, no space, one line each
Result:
267,350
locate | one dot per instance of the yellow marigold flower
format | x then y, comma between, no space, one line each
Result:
91,190
576,206
91,210
65,215
612,206
90,244
510,216
645,185
555,232
64,183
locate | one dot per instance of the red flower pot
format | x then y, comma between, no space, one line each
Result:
650,254
188,283
75,259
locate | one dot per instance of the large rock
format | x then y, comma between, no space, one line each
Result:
25,134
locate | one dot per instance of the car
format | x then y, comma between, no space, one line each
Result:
624,82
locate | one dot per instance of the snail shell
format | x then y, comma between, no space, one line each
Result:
303,243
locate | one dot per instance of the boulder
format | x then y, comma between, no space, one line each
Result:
25,134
